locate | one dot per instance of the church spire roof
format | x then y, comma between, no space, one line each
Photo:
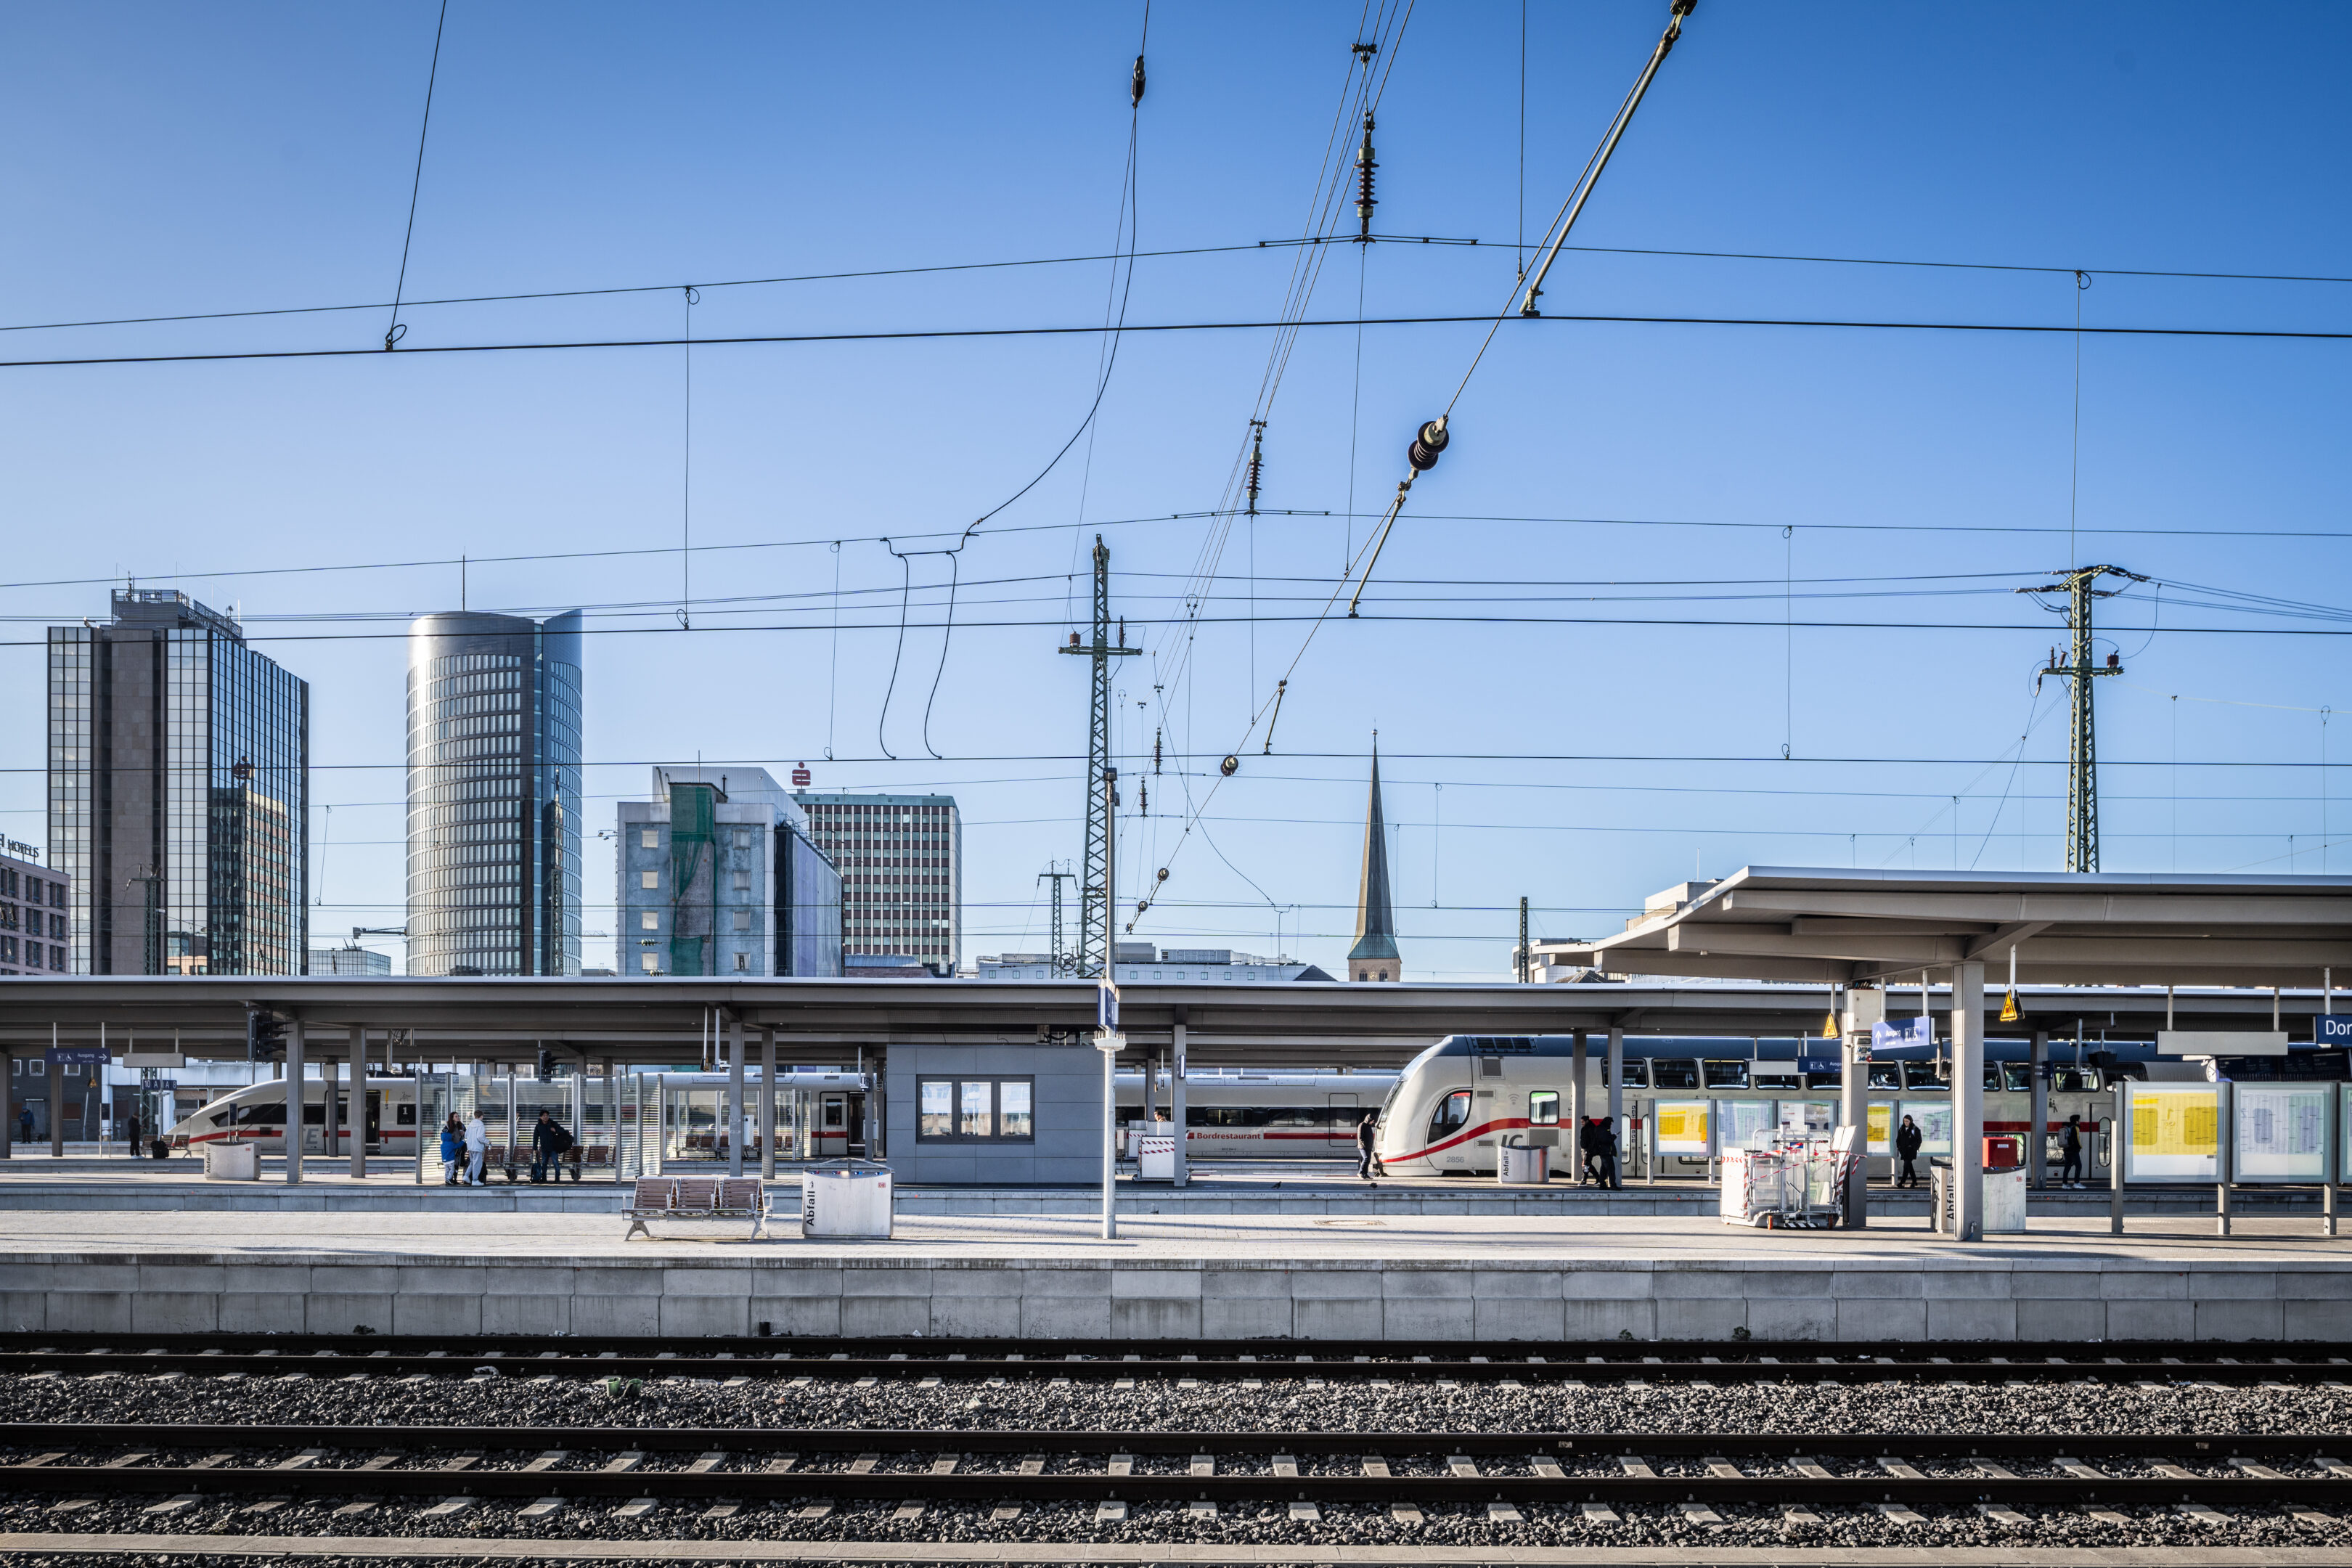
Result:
1375,907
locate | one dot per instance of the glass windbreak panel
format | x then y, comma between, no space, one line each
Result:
1934,1118
1746,1123
1727,1075
1886,1074
690,1130
1543,1107
2017,1077
1809,1118
1672,1072
975,1115
1014,1119
935,1114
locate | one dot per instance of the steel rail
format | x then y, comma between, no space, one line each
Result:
762,1440
1676,1366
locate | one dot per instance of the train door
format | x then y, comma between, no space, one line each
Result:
1447,1124
1339,1119
833,1126
857,1114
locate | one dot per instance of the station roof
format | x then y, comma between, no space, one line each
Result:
652,1022
1847,926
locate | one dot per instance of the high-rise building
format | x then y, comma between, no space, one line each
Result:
360,960
1374,956
494,795
901,859
718,875
179,788
34,901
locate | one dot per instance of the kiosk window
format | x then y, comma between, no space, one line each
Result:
973,1110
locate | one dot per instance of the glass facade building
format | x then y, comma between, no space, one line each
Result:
179,793
494,795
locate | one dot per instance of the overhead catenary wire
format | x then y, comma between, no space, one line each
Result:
395,331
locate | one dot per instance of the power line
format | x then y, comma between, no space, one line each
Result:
952,333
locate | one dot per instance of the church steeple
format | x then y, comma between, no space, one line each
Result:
1374,956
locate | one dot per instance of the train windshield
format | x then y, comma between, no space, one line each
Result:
1453,1113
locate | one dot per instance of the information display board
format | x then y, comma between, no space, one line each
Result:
1934,1119
2176,1131
1683,1127
1879,1135
1809,1118
1746,1123
2280,1131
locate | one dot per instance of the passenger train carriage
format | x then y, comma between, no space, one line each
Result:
1264,1116
1456,1102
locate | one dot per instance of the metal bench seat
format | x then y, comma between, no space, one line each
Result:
696,1198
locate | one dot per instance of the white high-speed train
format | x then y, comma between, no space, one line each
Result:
1266,1116
1455,1103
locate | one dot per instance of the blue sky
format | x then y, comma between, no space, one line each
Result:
168,160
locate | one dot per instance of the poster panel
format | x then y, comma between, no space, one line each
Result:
1809,1118
1683,1126
2176,1132
1934,1119
1746,1123
2281,1131
1879,1129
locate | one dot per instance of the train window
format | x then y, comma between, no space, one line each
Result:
314,1116
1775,1077
220,1119
1453,1113
1543,1107
1823,1080
1726,1075
2075,1080
2017,1077
1637,1074
261,1115
1672,1072
1926,1075
1886,1074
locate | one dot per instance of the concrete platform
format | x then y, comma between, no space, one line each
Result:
1401,1277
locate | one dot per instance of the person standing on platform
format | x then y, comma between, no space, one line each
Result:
131,1138
2070,1152
1906,1149
477,1149
548,1142
1604,1154
452,1148
25,1124
1367,1134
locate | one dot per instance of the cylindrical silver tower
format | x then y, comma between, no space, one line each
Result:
494,795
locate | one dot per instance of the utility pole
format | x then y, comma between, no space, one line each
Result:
1096,917
1055,875
2081,589
1522,961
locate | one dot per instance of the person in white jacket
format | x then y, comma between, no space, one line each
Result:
478,1150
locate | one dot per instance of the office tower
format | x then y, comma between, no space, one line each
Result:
901,859
718,875
179,791
494,795
34,901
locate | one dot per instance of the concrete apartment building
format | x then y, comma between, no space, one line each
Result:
901,859
719,876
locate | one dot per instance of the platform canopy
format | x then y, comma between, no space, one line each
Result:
2112,928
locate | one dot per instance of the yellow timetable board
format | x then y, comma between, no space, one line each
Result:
1880,1128
2175,1133
1683,1126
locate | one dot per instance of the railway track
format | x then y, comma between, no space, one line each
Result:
850,1361
445,1470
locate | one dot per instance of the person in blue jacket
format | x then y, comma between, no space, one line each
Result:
453,1145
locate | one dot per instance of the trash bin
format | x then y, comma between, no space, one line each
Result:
2004,1199
1522,1165
2000,1153
849,1200
232,1163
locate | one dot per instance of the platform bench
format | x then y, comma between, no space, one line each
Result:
695,1197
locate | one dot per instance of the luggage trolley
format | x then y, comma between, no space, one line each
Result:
1796,1182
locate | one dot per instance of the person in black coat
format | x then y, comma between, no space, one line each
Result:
2070,1152
548,1142
1367,1134
1907,1139
1603,1158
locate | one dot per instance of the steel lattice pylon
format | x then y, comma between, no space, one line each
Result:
2082,745
1095,920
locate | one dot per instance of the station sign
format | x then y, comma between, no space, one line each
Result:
1918,1030
77,1056
2331,1030
1107,1008
2220,1043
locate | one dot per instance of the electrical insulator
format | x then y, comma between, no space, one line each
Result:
1365,200
1122,631
1256,462
1155,750
1230,766
1074,639
1163,873
1428,446
1143,793
2115,661
1136,89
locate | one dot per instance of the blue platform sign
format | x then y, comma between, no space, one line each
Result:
1918,1031
1106,1009
77,1056
2331,1030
